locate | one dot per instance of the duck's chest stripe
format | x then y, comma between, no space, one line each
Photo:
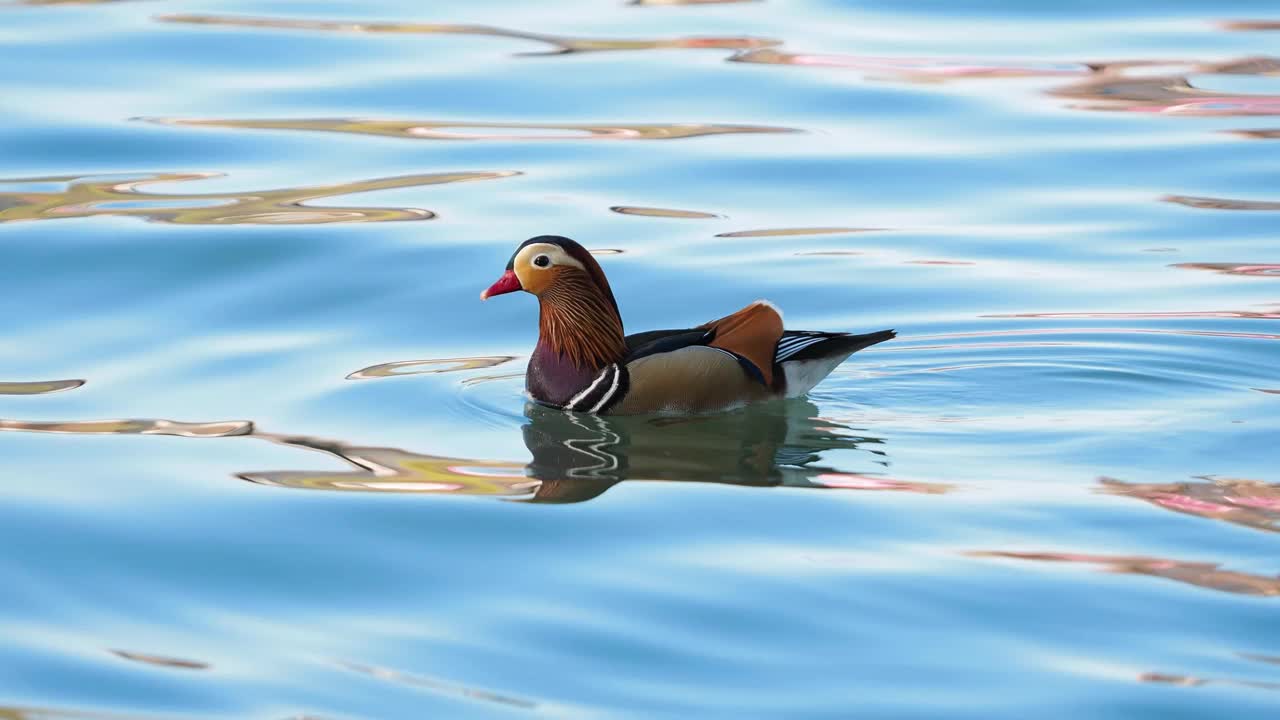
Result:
607,389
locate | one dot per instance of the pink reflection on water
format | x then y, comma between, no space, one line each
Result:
1199,574
1249,503
915,67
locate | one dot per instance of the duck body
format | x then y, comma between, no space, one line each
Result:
583,362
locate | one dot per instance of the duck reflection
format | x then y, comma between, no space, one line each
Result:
578,457
1193,681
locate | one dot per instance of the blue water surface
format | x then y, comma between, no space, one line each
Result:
300,479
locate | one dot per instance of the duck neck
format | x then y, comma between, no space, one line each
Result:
579,333
576,321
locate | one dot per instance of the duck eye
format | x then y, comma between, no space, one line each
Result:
542,261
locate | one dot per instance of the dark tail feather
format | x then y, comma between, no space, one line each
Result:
842,344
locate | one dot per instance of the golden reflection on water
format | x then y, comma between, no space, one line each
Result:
428,367
67,2
560,44
1200,574
663,212
1250,269
38,388
230,428
464,130
574,457
10,712
161,660
382,469
1250,25
1248,503
87,196
1211,203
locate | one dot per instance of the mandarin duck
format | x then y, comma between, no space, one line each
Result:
584,362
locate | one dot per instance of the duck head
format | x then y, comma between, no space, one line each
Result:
579,318
543,263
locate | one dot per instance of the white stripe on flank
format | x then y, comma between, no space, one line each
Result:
573,401
613,388
793,345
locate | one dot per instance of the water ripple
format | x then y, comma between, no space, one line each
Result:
688,2
1239,314
161,660
437,685
560,45
88,196
228,428
1115,88
575,458
1249,25
38,388
1248,503
1248,269
920,69
1199,574
1212,203
429,367
663,212
464,130
787,232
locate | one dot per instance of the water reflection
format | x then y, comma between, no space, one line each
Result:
574,457
161,660
1126,86
1250,25
463,130
1205,575
579,457
1253,269
230,428
1115,87
383,469
10,712
687,2
1269,134
1249,503
1212,203
427,682
787,232
87,196
1193,681
66,2
560,44
913,69
38,388
1238,314
429,367
663,212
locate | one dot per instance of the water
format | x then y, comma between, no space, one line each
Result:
299,479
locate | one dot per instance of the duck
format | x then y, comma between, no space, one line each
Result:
585,362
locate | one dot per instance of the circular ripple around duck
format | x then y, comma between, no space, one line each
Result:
1070,377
